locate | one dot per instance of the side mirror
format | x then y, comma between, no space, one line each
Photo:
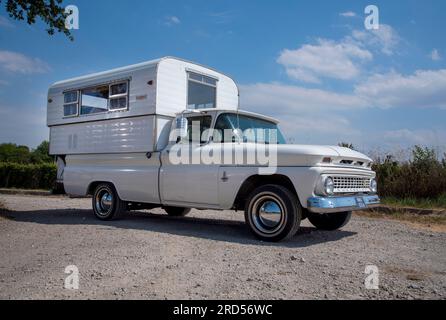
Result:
181,128
237,135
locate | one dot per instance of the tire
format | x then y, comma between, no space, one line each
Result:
106,203
177,211
284,216
329,221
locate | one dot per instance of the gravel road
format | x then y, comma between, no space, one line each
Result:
207,255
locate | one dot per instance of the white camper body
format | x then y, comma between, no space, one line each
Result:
103,125
135,119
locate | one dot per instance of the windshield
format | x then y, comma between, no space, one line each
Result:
250,129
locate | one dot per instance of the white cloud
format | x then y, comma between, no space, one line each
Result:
386,39
17,62
171,20
5,22
435,55
303,113
222,17
331,59
289,99
410,137
424,88
348,14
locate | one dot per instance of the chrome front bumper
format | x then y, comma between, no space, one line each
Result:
341,204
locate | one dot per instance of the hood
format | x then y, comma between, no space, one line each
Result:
305,155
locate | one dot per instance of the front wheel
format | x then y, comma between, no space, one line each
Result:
329,221
273,213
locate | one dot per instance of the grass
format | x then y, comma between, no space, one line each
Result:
432,222
438,203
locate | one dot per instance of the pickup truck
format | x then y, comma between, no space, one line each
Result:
170,133
211,169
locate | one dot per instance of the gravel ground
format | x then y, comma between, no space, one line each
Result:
207,255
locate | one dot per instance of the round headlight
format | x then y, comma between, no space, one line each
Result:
329,186
373,186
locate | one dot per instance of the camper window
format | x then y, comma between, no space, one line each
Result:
94,100
118,96
118,103
118,89
70,106
202,91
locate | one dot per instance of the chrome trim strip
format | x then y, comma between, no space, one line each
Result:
340,204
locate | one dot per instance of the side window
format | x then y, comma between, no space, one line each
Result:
119,96
196,126
94,100
71,104
201,91
101,98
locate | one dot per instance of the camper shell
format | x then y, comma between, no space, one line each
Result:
130,109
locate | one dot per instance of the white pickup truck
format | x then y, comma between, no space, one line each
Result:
126,138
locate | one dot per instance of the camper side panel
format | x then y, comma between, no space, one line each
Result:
134,134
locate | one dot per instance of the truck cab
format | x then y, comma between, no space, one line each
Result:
233,156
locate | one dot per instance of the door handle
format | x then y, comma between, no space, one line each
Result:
225,177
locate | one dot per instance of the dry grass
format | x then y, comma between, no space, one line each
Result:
432,222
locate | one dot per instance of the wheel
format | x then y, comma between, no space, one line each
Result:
176,211
273,213
329,221
106,203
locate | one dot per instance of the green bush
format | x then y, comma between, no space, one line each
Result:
422,177
27,176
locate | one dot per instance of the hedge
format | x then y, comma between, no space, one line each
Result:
423,177
27,176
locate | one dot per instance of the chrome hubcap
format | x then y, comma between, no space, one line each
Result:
103,202
268,214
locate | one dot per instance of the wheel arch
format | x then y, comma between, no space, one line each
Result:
255,181
92,186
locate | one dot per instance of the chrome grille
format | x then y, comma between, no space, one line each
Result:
343,184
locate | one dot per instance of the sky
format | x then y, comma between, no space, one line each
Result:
311,64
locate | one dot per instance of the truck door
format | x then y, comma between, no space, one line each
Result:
185,176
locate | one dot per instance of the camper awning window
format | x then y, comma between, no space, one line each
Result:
71,104
201,91
118,96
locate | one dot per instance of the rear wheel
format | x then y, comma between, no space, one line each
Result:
329,221
176,211
273,213
106,203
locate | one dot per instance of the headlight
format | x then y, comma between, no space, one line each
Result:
329,186
373,186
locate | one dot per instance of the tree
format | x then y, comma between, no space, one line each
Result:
10,152
41,153
51,12
346,145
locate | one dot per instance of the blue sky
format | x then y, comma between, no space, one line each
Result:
312,64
